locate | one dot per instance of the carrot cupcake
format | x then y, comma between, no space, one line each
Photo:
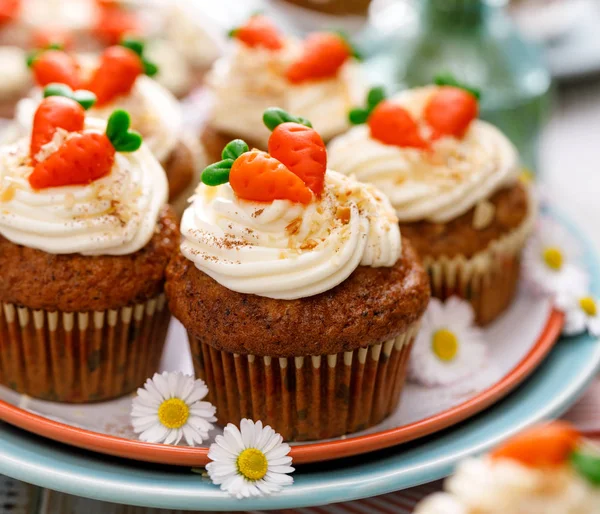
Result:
453,180
295,289
85,236
21,20
185,46
548,469
119,79
318,78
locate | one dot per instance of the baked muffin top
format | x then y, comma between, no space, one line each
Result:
371,306
77,283
472,232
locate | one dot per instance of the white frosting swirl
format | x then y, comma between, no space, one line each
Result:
174,72
250,80
437,186
115,215
482,486
59,14
15,74
155,113
287,250
194,33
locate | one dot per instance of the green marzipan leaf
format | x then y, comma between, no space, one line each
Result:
129,142
150,68
358,116
118,124
275,116
135,45
234,149
587,465
375,96
31,58
447,79
217,173
304,121
353,50
86,99
56,89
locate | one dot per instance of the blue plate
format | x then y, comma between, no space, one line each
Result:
556,385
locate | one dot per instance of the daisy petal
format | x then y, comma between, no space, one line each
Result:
156,434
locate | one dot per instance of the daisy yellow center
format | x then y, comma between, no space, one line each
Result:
588,305
553,257
253,464
444,344
526,176
173,413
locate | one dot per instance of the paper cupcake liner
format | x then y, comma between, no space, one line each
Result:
81,356
489,279
335,7
307,398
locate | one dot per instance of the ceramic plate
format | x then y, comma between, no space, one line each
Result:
105,427
554,386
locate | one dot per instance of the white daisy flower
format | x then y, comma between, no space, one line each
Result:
449,346
582,312
169,407
551,260
251,461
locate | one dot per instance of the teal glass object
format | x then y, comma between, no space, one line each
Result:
477,42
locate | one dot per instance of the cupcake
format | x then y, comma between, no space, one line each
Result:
119,79
299,298
85,237
548,469
453,181
318,78
185,47
21,20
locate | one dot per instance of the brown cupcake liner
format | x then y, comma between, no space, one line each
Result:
80,357
307,398
336,7
489,279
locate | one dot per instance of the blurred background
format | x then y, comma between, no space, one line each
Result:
537,63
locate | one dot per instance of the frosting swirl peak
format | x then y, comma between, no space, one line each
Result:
114,215
286,250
